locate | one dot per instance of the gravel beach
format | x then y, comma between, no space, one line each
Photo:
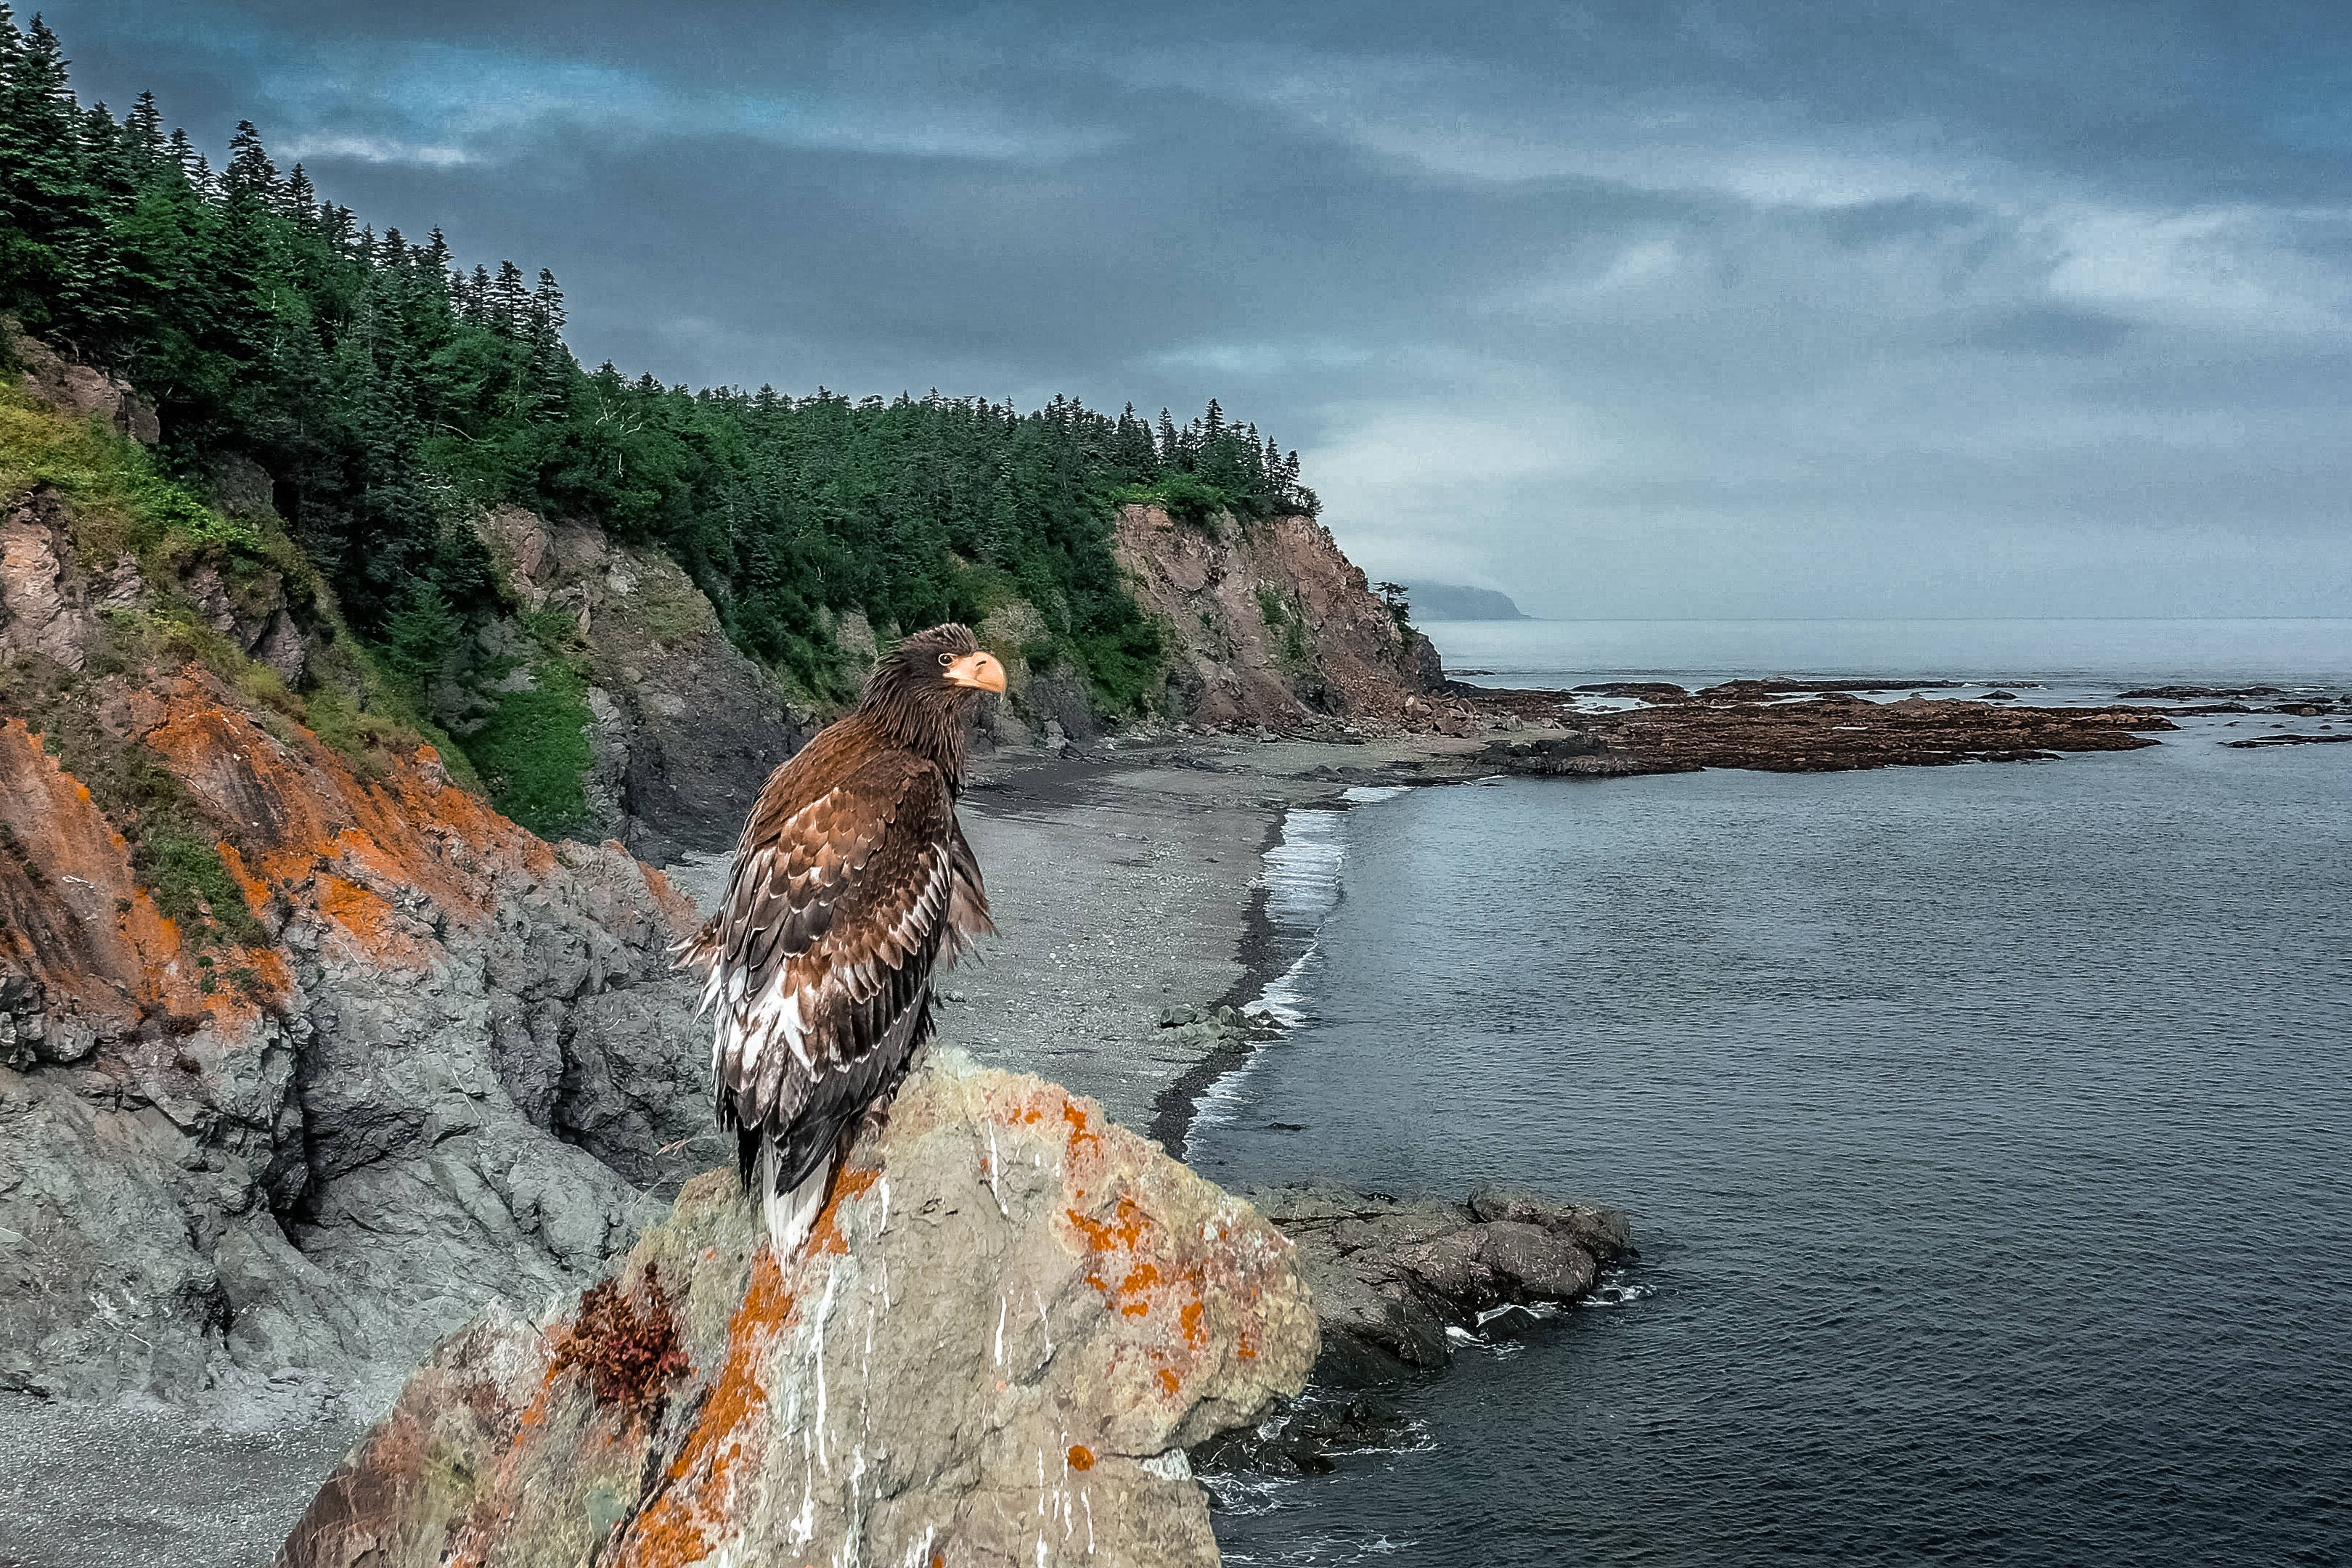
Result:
1122,880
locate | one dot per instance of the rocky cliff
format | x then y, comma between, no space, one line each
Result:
305,1052
1268,624
1010,1322
434,1063
682,727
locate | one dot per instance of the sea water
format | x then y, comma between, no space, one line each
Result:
1986,1132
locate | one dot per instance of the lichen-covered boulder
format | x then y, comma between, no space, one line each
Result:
1011,1321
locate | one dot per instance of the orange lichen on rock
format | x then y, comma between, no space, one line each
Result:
1188,1324
71,910
848,1183
676,905
697,1492
299,808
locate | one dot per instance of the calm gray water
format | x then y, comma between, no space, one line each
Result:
1985,1129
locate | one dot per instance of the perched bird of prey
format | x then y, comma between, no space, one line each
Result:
852,884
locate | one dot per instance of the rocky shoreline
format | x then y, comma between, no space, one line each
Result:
1125,877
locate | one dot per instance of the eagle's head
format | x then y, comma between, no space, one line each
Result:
924,692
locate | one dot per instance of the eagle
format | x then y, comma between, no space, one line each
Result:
853,884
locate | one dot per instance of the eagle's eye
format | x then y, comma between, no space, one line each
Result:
946,659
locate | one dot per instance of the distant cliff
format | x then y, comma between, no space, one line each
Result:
1448,601
1266,621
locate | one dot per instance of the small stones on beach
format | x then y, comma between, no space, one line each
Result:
1212,1026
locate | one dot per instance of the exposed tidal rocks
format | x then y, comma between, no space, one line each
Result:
2260,742
1392,1275
1398,1284
1011,1321
1750,724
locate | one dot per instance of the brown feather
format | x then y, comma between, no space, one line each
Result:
852,881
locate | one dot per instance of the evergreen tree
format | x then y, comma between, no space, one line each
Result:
389,393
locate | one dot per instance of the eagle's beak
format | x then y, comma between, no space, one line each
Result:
978,670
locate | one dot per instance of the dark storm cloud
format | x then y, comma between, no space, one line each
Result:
1704,309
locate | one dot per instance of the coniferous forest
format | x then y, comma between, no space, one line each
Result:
389,390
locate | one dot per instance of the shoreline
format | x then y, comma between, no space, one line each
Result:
1132,881
1126,877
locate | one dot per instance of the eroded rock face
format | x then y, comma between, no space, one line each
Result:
685,728
44,605
81,389
1011,1321
263,1174
1270,623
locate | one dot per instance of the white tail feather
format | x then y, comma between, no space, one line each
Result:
790,1215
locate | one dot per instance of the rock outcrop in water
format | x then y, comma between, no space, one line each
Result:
1393,1275
1753,725
1010,1322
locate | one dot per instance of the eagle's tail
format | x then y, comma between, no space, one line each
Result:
791,1213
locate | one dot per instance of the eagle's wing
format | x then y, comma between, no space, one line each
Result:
819,959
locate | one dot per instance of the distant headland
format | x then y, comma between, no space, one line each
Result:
1450,602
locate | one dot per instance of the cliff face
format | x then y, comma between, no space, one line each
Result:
304,1053
1011,1321
432,1072
1269,623
683,728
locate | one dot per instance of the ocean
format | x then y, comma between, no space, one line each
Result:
1987,1130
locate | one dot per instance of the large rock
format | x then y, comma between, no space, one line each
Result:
45,606
1013,1319
251,1174
80,389
1391,1276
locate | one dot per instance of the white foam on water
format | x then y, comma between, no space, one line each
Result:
1303,882
1302,871
1615,1290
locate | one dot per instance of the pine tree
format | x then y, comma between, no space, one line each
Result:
298,198
250,177
145,125
509,304
550,369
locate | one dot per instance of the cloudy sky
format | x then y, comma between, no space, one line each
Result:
1738,310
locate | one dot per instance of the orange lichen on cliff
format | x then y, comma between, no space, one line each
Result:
73,915
299,809
697,1492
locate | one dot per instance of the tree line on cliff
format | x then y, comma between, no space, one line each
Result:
388,392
